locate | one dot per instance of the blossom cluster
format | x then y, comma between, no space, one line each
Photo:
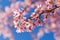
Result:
44,14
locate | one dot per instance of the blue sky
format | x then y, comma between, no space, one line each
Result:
25,35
